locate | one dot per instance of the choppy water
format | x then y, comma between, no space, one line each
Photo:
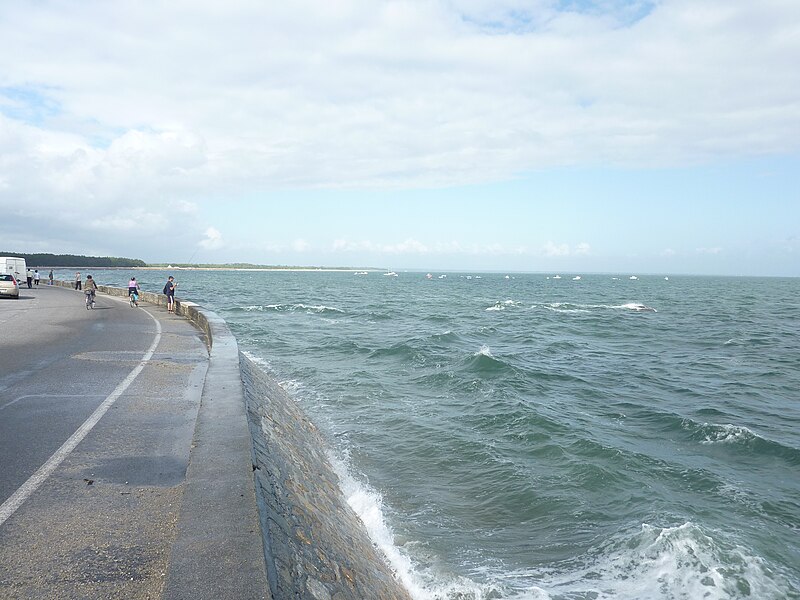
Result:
539,438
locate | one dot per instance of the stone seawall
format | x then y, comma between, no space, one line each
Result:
317,547
314,545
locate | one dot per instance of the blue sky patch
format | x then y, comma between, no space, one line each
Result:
28,104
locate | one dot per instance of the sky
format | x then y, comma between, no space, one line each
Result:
541,135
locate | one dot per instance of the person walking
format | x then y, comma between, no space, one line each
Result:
29,277
169,292
133,292
36,277
51,277
78,280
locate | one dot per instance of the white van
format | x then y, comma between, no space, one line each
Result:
13,266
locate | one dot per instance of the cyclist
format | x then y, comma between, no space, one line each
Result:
133,292
89,289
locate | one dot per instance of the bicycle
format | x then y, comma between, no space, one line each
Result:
89,299
134,298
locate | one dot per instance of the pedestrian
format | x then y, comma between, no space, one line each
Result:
133,291
29,277
36,277
78,280
51,277
169,291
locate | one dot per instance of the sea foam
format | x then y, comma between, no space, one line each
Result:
423,583
682,562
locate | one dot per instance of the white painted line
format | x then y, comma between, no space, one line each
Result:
10,506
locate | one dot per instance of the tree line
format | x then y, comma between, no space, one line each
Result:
75,260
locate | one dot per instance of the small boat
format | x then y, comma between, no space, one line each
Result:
428,276
390,274
360,273
576,278
666,278
557,277
633,278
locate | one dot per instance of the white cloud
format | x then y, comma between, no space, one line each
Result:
124,131
402,93
300,245
551,249
213,239
413,246
668,252
714,250
583,249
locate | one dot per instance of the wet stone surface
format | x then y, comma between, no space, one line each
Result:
318,547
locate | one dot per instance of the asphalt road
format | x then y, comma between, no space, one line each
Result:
98,524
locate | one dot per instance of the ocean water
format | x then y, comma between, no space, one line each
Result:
528,437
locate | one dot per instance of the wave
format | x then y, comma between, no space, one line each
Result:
484,351
658,563
422,582
291,386
661,563
483,362
446,337
309,308
636,307
738,436
503,305
566,307
725,434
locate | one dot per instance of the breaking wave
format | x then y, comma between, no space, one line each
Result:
567,307
299,307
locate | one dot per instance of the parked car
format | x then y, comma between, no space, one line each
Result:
8,286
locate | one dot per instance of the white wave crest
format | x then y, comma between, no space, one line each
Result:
291,386
726,434
484,351
665,564
319,308
368,505
637,307
257,359
565,307
311,308
502,305
421,583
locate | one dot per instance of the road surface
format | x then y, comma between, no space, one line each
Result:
97,413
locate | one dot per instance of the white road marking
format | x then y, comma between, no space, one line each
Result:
10,506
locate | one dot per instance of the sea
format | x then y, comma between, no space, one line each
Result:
544,436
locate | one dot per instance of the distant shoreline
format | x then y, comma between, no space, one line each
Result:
168,268
289,269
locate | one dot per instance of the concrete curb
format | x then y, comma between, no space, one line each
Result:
219,549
